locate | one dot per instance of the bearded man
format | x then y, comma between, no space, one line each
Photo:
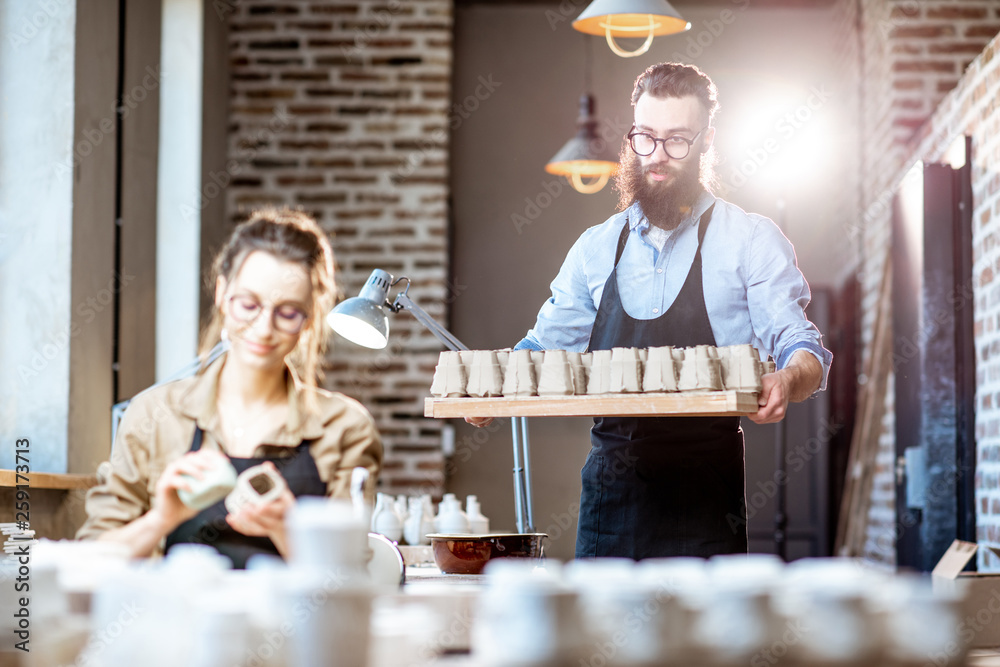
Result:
677,266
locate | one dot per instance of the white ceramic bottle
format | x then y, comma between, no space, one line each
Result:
429,524
385,521
414,524
451,519
478,524
402,510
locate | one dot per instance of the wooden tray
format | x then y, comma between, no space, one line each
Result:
689,404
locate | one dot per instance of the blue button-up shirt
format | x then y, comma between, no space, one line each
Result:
754,291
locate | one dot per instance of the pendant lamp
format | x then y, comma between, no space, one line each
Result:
630,18
585,156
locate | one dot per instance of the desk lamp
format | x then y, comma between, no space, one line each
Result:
362,320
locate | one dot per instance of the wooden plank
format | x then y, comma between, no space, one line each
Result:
45,480
688,404
853,520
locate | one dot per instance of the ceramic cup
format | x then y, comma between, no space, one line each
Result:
579,370
626,371
485,378
557,377
519,377
450,376
259,484
660,370
599,379
214,485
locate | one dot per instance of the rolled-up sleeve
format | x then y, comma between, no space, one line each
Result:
566,319
122,492
777,296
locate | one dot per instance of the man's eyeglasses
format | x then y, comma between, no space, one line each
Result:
675,146
286,318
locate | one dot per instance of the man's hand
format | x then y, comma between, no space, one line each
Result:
792,384
479,422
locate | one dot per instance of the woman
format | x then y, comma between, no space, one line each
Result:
258,403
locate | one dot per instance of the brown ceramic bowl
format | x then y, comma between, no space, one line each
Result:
468,554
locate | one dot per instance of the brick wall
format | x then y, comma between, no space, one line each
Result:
971,109
342,108
913,55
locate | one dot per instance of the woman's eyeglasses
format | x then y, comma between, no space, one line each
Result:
285,317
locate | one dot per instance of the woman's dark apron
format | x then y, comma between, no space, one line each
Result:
210,527
661,486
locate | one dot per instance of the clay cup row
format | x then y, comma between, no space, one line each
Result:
490,373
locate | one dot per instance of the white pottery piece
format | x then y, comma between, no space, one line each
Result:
215,484
741,368
451,519
385,521
626,371
557,377
660,370
428,525
579,372
478,524
700,370
402,509
537,357
599,379
519,375
414,524
258,484
485,379
450,376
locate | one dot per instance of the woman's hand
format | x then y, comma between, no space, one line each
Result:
264,519
168,508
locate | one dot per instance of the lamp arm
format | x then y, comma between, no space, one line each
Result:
118,409
404,302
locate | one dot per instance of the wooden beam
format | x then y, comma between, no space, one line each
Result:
44,480
686,404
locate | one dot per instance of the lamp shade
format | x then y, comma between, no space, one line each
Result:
361,319
630,18
586,155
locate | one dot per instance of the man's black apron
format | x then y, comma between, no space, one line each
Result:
210,527
661,486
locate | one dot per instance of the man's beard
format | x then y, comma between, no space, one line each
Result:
665,203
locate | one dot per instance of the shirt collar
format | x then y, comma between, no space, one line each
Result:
199,403
637,220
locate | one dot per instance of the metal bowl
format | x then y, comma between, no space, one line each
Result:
468,554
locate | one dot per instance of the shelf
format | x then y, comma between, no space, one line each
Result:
47,480
684,404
